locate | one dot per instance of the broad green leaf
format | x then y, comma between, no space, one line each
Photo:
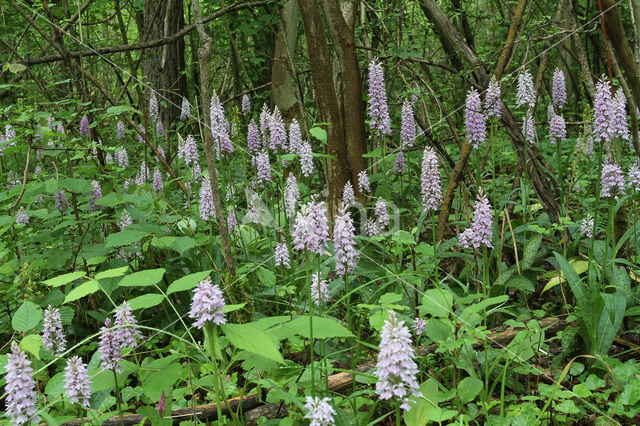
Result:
27,317
266,277
32,344
231,308
124,238
111,273
146,301
425,407
188,282
82,290
66,314
143,278
469,388
14,68
179,244
119,109
403,237
520,282
55,385
61,280
319,133
159,381
436,302
323,327
531,250
80,186
250,338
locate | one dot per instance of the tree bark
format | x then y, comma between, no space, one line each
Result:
618,39
328,108
283,91
164,66
348,83
203,61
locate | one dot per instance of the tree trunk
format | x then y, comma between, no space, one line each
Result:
328,108
164,66
347,82
283,91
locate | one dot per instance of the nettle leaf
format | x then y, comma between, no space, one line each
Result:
124,238
80,186
64,279
81,291
146,301
251,338
188,282
32,344
27,317
143,278
179,244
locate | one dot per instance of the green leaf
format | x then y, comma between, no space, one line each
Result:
15,68
179,244
55,385
319,133
61,280
403,237
266,277
252,339
424,408
572,278
469,388
119,109
520,282
111,273
159,381
27,317
82,290
482,305
530,250
32,344
80,186
323,327
436,302
143,278
188,282
231,308
146,301
124,238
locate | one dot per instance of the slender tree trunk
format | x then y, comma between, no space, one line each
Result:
164,66
328,107
203,61
347,82
283,78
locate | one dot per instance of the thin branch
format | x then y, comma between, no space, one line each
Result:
239,5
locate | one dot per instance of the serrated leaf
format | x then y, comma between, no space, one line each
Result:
179,244
55,385
143,278
27,317
124,238
146,301
64,279
252,339
81,291
403,237
80,186
32,344
188,282
436,302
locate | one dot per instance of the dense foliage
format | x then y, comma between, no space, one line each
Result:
469,274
